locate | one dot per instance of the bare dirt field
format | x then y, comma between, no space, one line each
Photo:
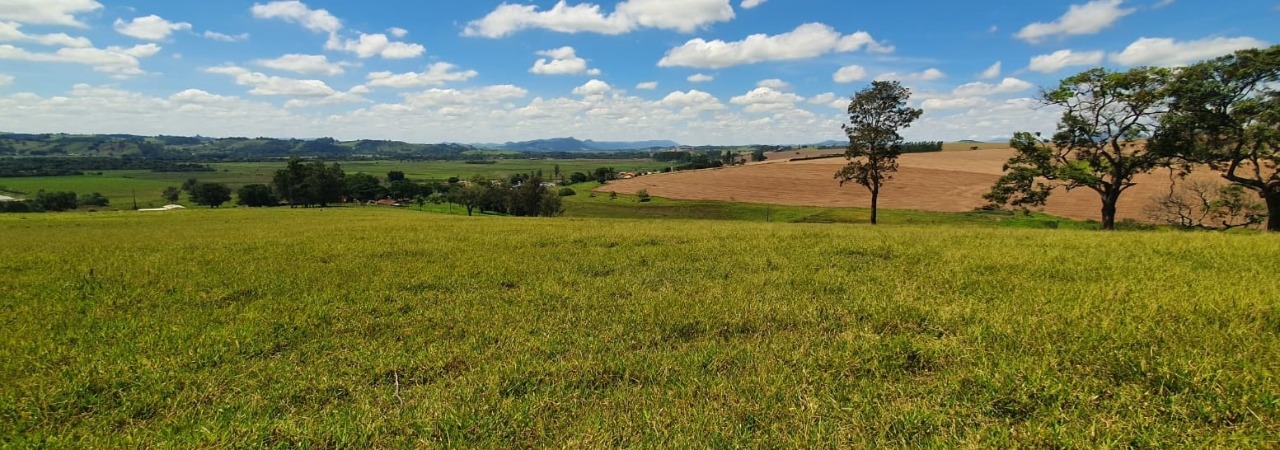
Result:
950,181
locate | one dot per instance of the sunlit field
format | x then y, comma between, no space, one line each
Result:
365,327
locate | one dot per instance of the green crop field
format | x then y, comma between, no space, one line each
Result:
120,186
377,328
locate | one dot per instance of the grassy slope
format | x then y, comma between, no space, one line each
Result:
380,327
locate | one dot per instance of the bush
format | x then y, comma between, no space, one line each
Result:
94,199
567,192
643,196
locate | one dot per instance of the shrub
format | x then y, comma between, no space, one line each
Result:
643,196
567,192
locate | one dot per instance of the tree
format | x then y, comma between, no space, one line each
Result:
469,197
363,187
310,184
1101,143
876,114
256,196
1225,113
171,194
94,199
394,176
757,155
56,201
212,195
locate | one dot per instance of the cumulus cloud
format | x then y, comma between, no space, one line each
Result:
436,75
831,100
748,4
1168,52
120,62
435,97
47,12
561,61
850,74
216,36
593,87
398,32
1008,85
1089,18
150,28
991,72
377,44
314,92
774,83
1062,59
764,99
12,32
701,78
930,74
305,64
685,16
6,79
293,11
806,41
647,85
692,102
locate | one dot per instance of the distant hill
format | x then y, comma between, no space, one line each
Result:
570,144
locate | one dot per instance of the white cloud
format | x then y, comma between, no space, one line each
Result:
317,92
306,64
120,62
5,79
1006,86
930,74
685,16
12,32
850,74
216,36
831,100
748,4
563,61
1168,52
952,103
806,41
293,11
1089,18
593,87
47,12
150,28
692,102
398,32
775,84
370,45
991,72
436,75
647,85
454,97
1162,4
765,99
701,78
1062,59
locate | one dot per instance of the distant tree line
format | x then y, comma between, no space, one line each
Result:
920,147
63,166
54,202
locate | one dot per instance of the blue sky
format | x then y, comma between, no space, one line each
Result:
695,71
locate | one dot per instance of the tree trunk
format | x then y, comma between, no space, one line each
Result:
1273,211
875,202
1109,210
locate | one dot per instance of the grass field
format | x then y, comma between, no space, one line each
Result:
366,327
120,186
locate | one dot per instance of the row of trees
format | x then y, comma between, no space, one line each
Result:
55,201
1222,113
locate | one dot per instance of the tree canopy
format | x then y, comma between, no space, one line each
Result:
876,115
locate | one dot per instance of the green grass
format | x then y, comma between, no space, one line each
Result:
370,327
120,186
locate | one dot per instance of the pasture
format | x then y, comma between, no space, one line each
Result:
121,185
367,327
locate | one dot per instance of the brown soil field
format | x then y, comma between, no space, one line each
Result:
950,181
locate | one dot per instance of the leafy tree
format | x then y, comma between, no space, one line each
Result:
363,187
405,189
256,196
876,114
94,199
1225,113
1101,143
579,177
171,194
642,196
469,197
190,183
305,184
56,201
602,175
757,155
394,176
208,194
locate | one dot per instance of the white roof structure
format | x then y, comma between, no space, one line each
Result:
165,208
6,198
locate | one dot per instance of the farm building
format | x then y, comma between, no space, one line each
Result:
6,198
